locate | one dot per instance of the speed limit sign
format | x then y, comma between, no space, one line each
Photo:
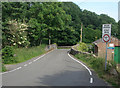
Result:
106,32
106,38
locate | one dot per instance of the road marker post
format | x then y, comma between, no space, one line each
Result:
106,37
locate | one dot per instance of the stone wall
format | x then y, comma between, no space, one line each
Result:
50,47
73,51
64,47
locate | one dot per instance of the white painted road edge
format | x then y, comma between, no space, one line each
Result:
27,64
91,79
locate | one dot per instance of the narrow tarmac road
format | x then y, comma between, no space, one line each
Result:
56,68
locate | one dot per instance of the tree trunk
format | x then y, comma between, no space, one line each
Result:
40,42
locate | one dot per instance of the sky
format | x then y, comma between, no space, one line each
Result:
119,11
109,7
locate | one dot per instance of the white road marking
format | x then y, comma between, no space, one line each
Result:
25,65
34,60
19,68
81,64
28,63
42,56
4,72
91,80
12,70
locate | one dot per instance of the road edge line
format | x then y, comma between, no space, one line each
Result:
91,79
28,63
80,63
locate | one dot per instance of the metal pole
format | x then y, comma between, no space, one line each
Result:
106,57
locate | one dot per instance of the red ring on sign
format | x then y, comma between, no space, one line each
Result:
108,37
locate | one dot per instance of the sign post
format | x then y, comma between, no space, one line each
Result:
106,57
106,37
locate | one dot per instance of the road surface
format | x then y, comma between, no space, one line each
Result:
56,68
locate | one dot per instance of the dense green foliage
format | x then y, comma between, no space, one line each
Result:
3,68
50,20
90,35
43,21
57,21
76,14
118,29
98,65
8,55
82,47
92,23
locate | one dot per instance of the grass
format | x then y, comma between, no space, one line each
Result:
3,68
118,68
97,64
24,54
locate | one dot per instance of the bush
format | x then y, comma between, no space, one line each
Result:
55,44
3,68
8,55
82,47
90,48
111,65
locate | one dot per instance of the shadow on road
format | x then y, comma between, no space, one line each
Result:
70,78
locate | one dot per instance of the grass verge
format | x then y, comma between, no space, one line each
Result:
97,64
3,68
24,54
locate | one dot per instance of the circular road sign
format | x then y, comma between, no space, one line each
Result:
106,38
